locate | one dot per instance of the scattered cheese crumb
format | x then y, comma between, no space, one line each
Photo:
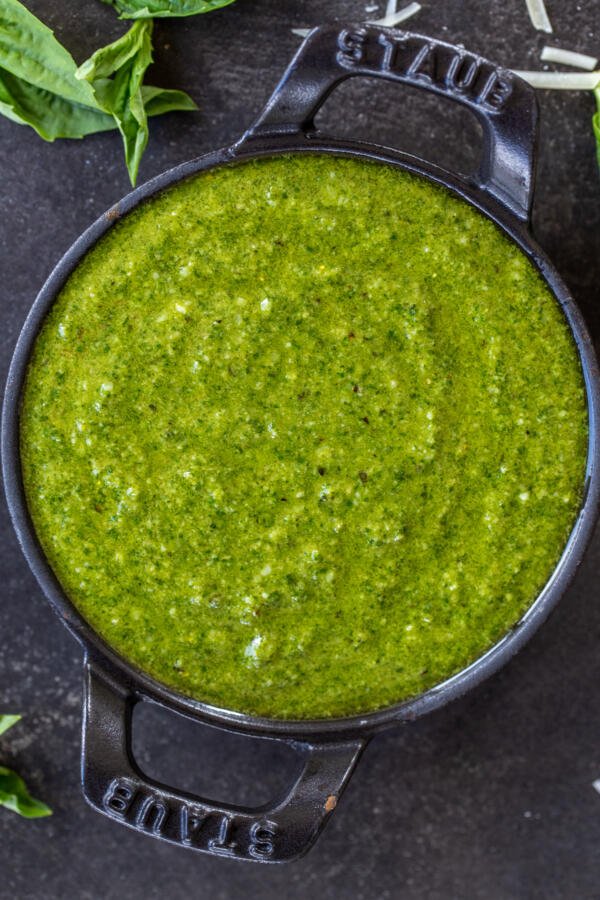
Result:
251,650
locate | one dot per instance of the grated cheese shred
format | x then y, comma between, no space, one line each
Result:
561,81
538,15
391,18
568,58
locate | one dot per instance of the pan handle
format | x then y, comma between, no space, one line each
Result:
504,104
278,832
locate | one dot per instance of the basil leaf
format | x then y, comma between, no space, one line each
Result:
121,96
41,86
162,100
50,115
7,722
38,85
29,51
108,60
14,795
143,9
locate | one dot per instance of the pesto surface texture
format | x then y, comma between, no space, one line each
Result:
303,437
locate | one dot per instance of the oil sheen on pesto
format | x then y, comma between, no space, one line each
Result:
303,437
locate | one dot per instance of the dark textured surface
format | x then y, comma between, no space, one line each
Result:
490,798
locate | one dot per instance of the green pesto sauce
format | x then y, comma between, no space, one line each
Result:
303,437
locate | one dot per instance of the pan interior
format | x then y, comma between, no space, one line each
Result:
304,437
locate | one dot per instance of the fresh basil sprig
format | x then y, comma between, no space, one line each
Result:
122,95
13,790
158,9
41,86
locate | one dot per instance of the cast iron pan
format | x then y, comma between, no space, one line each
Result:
328,749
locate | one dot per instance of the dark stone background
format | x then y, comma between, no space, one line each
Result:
490,798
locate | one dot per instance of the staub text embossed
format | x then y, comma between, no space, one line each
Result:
190,824
415,59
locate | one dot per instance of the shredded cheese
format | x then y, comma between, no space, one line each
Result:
568,58
561,81
390,20
538,15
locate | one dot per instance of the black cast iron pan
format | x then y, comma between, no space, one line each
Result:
328,749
